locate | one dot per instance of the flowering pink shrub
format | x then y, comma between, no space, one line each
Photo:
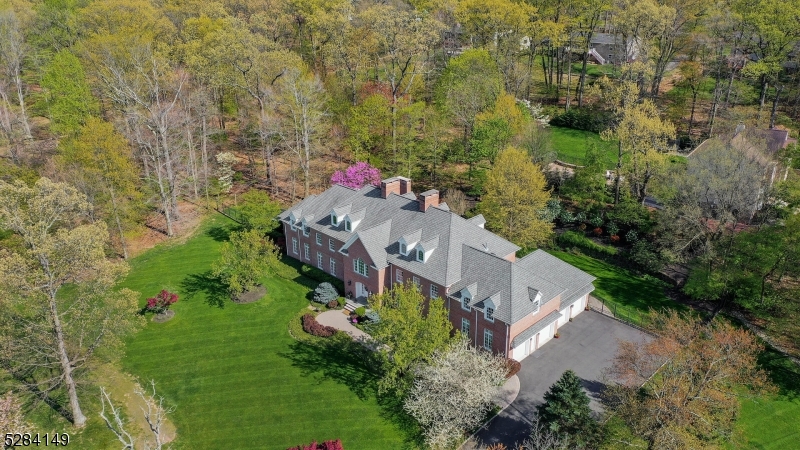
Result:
161,302
357,176
327,445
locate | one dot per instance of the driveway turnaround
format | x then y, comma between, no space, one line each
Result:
586,346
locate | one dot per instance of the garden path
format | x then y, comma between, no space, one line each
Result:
336,319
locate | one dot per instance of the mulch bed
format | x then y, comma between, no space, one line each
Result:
161,318
252,295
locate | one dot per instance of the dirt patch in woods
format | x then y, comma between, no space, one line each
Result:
155,228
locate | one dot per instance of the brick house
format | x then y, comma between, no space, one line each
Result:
374,237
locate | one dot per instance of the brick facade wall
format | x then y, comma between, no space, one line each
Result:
381,279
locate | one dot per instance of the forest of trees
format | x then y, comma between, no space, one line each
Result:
118,116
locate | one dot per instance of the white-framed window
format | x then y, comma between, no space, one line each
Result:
360,267
331,245
348,226
489,314
415,279
398,275
465,327
306,230
333,266
434,291
294,245
488,338
319,260
465,303
536,304
319,239
307,251
334,220
420,255
403,249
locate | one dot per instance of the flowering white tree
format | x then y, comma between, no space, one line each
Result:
454,392
225,171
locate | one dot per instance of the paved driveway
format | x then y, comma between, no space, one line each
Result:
586,346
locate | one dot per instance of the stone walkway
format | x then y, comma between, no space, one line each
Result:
336,319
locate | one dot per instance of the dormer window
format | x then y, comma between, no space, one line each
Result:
403,248
348,226
408,242
420,255
305,229
334,220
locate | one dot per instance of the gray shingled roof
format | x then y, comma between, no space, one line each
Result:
535,328
576,282
444,265
501,279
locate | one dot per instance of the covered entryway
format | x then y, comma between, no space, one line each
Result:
361,292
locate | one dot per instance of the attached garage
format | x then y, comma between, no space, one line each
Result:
533,337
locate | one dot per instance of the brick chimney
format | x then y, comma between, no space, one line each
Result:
428,199
389,186
405,185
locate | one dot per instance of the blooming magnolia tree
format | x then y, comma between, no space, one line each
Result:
453,393
161,302
357,176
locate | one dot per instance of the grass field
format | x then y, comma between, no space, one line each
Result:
570,145
631,294
236,376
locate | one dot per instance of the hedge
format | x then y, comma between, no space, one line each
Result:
311,326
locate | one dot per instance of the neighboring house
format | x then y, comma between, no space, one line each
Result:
610,48
374,237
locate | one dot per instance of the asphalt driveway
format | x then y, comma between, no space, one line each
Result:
586,346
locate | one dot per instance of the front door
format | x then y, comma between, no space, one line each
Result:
361,291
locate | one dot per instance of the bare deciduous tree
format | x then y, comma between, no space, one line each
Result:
153,411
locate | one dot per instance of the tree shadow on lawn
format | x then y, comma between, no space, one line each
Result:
222,233
782,372
215,291
347,362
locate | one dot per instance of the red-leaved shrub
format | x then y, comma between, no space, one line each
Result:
615,239
327,445
311,326
333,304
512,367
161,302
598,231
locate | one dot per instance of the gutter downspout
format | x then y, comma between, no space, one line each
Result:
476,327
508,332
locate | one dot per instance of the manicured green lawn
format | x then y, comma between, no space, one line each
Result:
773,422
236,376
631,294
570,145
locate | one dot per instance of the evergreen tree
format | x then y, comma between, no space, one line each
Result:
566,412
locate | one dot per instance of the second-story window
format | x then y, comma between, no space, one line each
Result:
434,291
294,245
465,302
360,267
490,314
415,280
331,245
319,239
305,230
398,275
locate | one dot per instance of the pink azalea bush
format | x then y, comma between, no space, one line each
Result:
161,302
357,176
